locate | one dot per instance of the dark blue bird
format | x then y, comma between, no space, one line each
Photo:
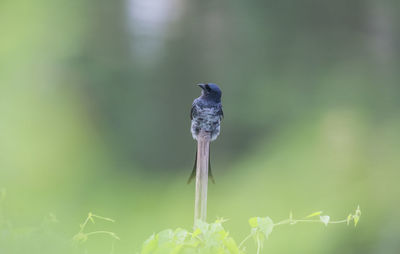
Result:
206,114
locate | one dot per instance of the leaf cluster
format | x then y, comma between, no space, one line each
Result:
205,238
213,238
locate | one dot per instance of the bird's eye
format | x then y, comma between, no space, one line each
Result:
208,88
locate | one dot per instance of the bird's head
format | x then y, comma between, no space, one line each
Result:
211,91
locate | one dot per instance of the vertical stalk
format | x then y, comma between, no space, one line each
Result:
200,203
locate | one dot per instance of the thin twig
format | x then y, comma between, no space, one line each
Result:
245,239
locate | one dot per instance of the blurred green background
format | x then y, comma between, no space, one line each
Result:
94,116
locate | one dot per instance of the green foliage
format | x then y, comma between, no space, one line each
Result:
261,228
355,217
206,238
213,238
82,236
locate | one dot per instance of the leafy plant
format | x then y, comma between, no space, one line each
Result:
82,236
213,238
206,238
261,228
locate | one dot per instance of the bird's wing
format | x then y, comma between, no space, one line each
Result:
221,112
192,111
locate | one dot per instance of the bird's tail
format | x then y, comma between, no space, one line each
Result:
193,174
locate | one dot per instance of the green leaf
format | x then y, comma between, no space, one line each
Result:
150,245
165,236
177,249
356,219
196,232
314,214
203,226
349,219
180,235
193,243
253,222
230,244
266,225
263,225
91,217
358,211
357,216
216,227
325,219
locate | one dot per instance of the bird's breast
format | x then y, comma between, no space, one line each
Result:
208,114
206,118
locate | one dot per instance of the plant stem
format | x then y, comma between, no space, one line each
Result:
245,239
288,221
203,148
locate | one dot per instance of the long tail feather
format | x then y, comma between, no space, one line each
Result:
193,174
210,176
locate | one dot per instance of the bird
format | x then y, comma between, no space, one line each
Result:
206,114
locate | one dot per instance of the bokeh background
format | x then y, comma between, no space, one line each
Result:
94,116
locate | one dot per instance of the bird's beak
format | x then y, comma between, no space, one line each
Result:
202,86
